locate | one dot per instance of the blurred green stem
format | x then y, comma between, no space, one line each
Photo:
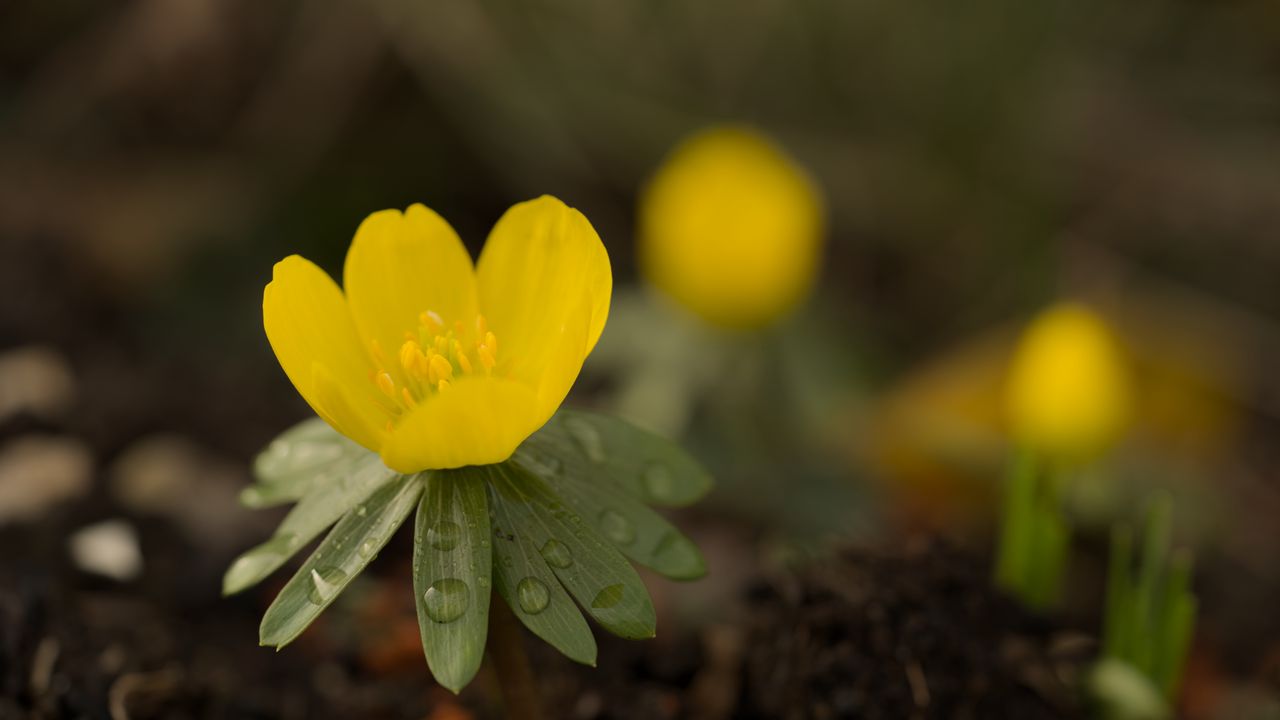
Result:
1034,535
506,650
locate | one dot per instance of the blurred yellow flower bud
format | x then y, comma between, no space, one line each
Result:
1068,394
731,228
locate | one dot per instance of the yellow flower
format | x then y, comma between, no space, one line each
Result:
731,228
1068,394
433,362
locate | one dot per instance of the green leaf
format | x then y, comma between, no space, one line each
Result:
304,456
650,467
640,533
591,569
357,538
532,591
319,509
451,574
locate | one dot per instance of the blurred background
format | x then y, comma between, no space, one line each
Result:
975,164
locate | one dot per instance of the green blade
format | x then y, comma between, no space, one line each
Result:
640,533
344,553
652,468
299,459
321,507
451,574
532,591
591,569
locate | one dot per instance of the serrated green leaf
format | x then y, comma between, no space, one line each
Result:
650,467
591,569
319,509
452,557
533,593
640,533
352,544
303,457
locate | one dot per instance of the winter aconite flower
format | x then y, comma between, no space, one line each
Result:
428,360
1068,394
731,228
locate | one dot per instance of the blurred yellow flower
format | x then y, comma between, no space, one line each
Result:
1068,392
731,228
433,362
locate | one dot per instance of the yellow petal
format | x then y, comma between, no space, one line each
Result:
401,265
544,275
475,421
311,332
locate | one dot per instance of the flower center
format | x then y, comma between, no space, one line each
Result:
432,356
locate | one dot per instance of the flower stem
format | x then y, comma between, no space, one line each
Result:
506,652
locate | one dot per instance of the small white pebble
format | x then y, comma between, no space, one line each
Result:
107,548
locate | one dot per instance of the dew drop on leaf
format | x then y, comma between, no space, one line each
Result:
446,600
659,484
533,595
361,511
324,584
617,528
444,535
556,554
366,549
676,551
587,438
608,597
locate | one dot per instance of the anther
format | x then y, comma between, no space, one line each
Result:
386,385
408,398
441,368
486,357
492,341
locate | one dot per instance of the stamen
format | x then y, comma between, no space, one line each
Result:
486,357
463,362
386,385
492,341
378,356
444,385
441,369
482,326
408,398
432,320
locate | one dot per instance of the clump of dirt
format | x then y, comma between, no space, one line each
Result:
913,633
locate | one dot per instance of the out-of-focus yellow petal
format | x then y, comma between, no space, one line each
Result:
731,228
401,265
543,276
1068,393
476,421
311,332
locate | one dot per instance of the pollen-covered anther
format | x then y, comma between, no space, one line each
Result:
386,385
486,356
441,370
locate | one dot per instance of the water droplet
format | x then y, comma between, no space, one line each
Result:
280,544
533,595
366,549
587,438
658,481
556,554
608,597
545,465
325,583
361,511
678,554
444,535
617,528
483,581
446,600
